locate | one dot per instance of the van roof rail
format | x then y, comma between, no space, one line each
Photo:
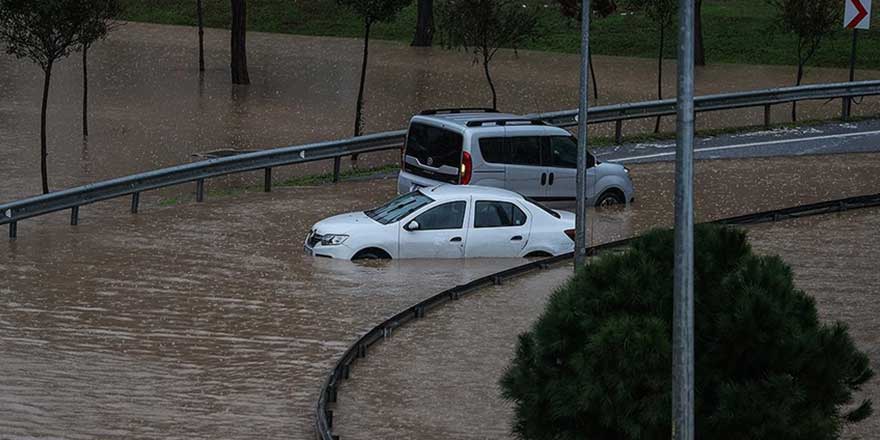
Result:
505,121
458,110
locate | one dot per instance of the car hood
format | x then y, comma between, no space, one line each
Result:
343,223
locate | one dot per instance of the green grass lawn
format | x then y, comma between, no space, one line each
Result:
735,31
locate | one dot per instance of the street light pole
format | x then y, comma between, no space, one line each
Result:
580,242
683,284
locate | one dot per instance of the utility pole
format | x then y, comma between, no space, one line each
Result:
683,284
580,242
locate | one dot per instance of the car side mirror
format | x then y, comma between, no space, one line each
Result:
412,226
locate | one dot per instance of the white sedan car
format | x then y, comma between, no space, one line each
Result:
446,221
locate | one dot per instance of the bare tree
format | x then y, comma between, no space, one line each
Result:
484,26
662,13
424,36
98,24
200,16
602,8
371,11
239,47
810,22
44,32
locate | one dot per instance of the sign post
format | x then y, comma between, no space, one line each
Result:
856,15
580,242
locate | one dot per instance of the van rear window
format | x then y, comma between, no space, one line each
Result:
434,146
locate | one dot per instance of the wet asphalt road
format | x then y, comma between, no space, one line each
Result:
833,138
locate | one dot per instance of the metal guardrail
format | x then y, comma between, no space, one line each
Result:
342,370
13,212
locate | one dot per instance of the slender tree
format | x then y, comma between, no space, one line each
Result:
239,47
810,22
484,26
371,11
200,15
699,51
44,32
602,8
98,24
662,13
424,36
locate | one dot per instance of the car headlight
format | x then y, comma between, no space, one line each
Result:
333,239
626,170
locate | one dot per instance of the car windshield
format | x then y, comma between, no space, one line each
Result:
399,208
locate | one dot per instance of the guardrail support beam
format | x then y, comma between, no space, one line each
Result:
74,216
200,190
267,180
847,103
337,163
135,201
767,116
618,131
13,230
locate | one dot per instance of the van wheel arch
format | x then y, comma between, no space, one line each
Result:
611,196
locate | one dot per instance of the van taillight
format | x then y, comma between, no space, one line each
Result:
467,168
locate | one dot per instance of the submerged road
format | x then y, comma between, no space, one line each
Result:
830,138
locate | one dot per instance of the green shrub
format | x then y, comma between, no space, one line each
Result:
597,364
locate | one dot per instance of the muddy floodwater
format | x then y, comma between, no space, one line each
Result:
438,378
207,321
150,108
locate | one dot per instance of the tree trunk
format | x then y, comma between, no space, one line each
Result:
239,47
660,74
699,52
800,76
358,116
593,75
47,76
424,36
201,18
85,114
491,84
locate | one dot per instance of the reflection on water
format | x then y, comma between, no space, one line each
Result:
150,107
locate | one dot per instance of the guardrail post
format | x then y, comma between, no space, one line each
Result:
13,230
847,102
135,201
766,115
200,190
267,180
337,163
618,131
74,216
329,416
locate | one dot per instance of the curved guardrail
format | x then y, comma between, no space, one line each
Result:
341,371
73,198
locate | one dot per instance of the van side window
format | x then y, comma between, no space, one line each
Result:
497,215
524,150
492,149
445,216
563,153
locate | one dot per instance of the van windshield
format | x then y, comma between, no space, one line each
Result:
437,150
399,208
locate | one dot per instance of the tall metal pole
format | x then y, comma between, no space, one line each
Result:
580,242
683,285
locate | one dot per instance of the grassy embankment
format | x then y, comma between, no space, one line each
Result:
735,31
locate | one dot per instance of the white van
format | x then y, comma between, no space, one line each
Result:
487,148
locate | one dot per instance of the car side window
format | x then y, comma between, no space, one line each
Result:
563,153
492,149
497,215
446,216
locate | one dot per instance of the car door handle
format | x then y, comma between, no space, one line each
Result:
543,179
516,238
551,178
455,239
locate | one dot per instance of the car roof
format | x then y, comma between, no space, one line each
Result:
443,192
460,120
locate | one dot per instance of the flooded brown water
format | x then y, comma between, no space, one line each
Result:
438,378
149,107
206,320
